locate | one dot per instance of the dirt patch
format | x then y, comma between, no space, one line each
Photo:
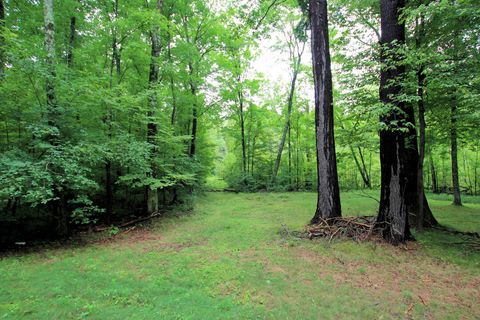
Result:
406,277
149,241
416,279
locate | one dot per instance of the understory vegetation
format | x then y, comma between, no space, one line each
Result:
233,258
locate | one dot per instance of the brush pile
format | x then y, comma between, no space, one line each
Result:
356,228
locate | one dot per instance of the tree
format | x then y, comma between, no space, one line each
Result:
328,194
393,212
153,77
2,38
296,46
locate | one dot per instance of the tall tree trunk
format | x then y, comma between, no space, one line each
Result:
287,120
392,218
2,39
290,155
173,116
421,149
457,200
193,91
433,174
52,108
114,65
297,155
419,209
328,194
242,132
155,37
71,41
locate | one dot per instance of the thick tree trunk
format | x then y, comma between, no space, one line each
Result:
155,37
328,194
457,200
392,218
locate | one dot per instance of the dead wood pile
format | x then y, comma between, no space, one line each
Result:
356,228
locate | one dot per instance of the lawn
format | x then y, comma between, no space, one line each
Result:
232,259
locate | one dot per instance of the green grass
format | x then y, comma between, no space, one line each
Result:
229,260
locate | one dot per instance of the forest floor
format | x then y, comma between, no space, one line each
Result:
231,258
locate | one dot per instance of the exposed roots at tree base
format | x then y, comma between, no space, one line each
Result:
356,228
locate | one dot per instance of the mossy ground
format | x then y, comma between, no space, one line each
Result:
228,259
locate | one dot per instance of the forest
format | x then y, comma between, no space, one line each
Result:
238,147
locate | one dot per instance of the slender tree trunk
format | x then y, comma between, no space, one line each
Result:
193,90
421,149
361,167
287,121
297,59
242,132
52,108
114,65
2,39
71,41
297,155
249,139
457,200
364,168
172,83
475,174
392,219
155,37
328,193
290,155
434,175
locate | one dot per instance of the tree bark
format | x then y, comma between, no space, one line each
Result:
457,200
193,90
52,109
434,175
114,65
421,148
287,120
242,132
2,39
361,167
328,194
392,218
71,41
155,37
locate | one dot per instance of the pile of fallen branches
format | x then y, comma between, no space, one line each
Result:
356,228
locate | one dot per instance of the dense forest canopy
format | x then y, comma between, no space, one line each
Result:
112,108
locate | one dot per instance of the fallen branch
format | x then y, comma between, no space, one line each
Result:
453,231
357,228
129,223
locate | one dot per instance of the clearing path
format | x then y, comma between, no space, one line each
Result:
232,258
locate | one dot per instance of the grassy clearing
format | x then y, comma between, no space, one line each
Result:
228,260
